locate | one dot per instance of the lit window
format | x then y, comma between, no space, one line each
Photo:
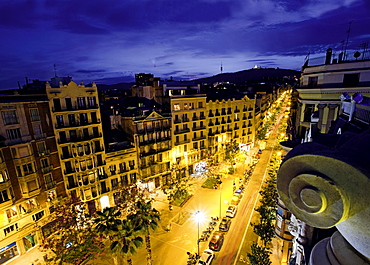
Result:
176,107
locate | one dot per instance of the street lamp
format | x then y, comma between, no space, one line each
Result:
198,218
220,197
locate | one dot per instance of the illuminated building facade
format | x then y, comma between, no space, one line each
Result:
189,134
30,174
230,120
321,88
122,170
75,117
151,134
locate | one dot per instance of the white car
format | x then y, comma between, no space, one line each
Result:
206,258
231,211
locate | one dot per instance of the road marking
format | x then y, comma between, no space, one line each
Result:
254,206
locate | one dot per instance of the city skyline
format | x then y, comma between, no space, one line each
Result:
94,41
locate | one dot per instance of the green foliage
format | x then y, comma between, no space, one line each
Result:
74,240
210,182
148,219
259,255
122,235
177,189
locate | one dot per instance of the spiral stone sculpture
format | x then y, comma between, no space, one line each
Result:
329,186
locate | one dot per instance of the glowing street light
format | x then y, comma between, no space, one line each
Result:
199,217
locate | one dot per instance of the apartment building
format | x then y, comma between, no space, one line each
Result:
31,179
323,84
189,133
122,170
76,120
229,120
151,134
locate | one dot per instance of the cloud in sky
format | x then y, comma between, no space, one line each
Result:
95,40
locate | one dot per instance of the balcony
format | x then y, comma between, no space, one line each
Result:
69,171
182,142
202,117
199,128
72,185
182,131
229,121
237,110
177,121
47,169
211,114
195,118
50,185
185,119
236,128
199,138
32,193
66,156
211,124
44,153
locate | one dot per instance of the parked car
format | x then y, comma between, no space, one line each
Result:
216,241
225,224
206,258
231,211
235,200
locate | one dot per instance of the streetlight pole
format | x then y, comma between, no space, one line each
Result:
220,198
198,219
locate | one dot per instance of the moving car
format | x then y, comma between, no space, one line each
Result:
225,224
206,258
216,241
231,211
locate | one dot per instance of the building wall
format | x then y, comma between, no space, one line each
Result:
30,174
77,125
189,134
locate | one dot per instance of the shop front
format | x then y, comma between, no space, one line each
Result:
8,252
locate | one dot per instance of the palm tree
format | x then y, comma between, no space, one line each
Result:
121,234
148,219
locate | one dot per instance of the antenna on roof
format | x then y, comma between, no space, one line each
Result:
221,68
364,45
345,48
55,70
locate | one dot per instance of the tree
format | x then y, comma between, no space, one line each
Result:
259,255
121,235
73,239
148,219
177,188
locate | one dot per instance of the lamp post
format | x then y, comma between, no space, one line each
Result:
198,218
220,197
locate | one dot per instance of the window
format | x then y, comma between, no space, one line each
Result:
10,117
186,106
176,106
200,105
71,120
3,176
83,118
37,130
4,196
27,168
34,114
60,121
48,178
68,103
37,216
91,101
23,151
13,134
57,106
312,81
81,102
350,80
44,163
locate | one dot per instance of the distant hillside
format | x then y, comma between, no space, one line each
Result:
249,75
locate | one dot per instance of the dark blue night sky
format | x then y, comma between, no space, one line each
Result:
110,41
